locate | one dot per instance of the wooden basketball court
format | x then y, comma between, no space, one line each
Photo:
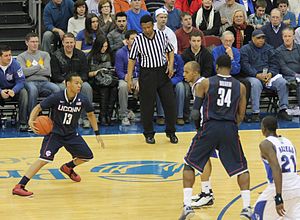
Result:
127,180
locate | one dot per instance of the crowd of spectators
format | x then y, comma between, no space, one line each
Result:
94,38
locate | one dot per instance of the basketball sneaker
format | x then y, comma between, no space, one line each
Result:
187,213
198,196
70,172
246,213
21,191
205,199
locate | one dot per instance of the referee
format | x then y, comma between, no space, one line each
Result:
152,48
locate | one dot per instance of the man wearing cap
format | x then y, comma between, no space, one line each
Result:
259,64
161,16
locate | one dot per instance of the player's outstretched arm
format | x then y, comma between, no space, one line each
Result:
33,115
93,121
268,153
242,104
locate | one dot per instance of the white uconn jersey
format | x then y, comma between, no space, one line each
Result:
286,156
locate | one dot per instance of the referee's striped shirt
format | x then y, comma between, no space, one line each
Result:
152,52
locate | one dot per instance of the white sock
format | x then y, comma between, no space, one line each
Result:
187,196
246,198
205,186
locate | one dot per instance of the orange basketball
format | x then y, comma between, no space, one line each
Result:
44,124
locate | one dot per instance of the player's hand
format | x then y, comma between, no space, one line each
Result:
280,210
11,93
32,126
100,141
4,94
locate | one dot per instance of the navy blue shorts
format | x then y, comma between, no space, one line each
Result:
73,143
221,135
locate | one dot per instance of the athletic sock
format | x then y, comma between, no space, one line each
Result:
246,198
187,196
205,187
71,164
24,180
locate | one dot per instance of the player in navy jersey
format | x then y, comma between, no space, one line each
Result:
65,107
281,198
223,99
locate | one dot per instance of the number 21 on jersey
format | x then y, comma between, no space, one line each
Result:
224,97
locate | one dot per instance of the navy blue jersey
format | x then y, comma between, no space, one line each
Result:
64,113
222,99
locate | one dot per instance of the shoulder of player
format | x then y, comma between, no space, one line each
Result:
266,145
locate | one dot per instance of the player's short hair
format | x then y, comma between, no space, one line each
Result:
270,122
70,76
129,33
30,35
288,29
183,14
4,48
224,61
283,2
196,33
146,19
194,65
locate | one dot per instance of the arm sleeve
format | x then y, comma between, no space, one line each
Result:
119,65
84,67
28,71
57,75
19,77
134,51
273,63
179,70
207,64
48,22
235,63
284,69
247,68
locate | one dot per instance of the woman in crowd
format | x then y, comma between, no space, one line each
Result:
86,37
77,22
106,21
207,19
99,60
241,30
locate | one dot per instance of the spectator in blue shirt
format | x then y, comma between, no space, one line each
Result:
121,66
134,16
288,17
56,16
227,39
12,82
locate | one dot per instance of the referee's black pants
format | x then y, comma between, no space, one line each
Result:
152,80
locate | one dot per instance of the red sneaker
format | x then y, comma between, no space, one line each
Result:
70,172
21,191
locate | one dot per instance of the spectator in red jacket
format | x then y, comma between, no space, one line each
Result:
191,6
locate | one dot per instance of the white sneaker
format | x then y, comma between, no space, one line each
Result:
204,200
131,115
187,213
293,111
246,213
125,121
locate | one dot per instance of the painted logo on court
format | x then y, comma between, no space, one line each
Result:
140,171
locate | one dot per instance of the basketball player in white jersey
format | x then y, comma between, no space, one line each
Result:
205,198
279,158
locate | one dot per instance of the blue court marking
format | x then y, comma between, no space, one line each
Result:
223,211
234,200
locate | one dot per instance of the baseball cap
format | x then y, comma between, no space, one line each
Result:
160,11
258,33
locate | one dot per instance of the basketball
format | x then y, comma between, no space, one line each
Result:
44,124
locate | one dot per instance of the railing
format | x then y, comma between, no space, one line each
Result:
35,12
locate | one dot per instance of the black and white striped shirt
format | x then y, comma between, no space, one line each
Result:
152,52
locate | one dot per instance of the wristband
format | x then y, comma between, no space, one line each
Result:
97,132
278,199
